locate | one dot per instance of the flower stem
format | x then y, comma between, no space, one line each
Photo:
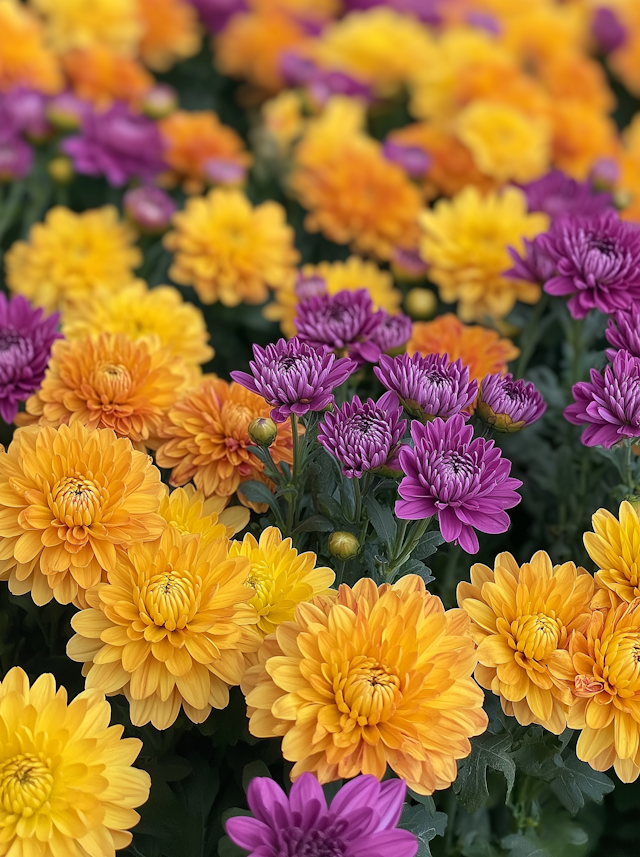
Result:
531,335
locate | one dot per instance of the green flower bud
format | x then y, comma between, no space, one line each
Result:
420,303
343,545
263,431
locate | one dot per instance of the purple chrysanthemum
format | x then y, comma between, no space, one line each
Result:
389,337
25,347
360,821
216,14
428,387
597,261
464,480
508,405
294,377
324,84
413,160
150,208
16,159
117,144
309,286
608,30
363,436
623,332
339,322
609,404
535,266
22,111
558,195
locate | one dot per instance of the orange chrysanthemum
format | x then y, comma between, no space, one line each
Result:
377,676
101,75
522,619
624,60
479,348
171,32
169,629
24,59
191,139
208,438
582,135
70,498
109,382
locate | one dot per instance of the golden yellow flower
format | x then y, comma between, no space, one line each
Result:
171,32
156,315
506,144
69,498
187,510
70,255
72,24
66,782
102,75
24,58
231,251
614,546
280,577
169,629
377,676
465,243
522,618
606,685
108,382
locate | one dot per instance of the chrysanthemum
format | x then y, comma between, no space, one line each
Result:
70,498
169,629
559,195
143,313
522,618
280,577
379,676
24,58
102,76
170,33
623,332
508,405
74,24
479,348
194,139
189,512
208,438
465,243
614,546
70,255
582,134
338,322
149,208
67,785
229,250
16,159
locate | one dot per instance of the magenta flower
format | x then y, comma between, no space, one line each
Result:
413,160
309,286
325,84
389,337
150,208
464,480
293,377
22,111
16,159
428,387
508,405
364,436
609,404
339,322
597,261
535,266
427,11
360,821
608,30
623,332
558,195
25,347
216,14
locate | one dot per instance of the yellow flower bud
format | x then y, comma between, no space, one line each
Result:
420,303
61,170
263,431
343,545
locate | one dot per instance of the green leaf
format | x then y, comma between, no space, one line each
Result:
257,492
227,848
425,824
574,780
414,566
315,524
382,520
488,751
329,507
254,769
427,545
519,845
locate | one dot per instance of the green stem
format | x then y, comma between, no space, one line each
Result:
628,477
576,328
531,335
296,448
417,531
10,205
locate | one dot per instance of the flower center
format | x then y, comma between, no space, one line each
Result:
170,599
536,636
26,782
15,350
367,692
112,381
457,464
603,245
297,842
621,660
76,501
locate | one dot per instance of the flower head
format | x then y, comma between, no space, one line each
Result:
16,159
607,29
100,77
623,332
508,405
522,618
413,159
390,337
171,32
362,818
25,60
294,377
609,404
50,802
534,265
169,629
614,546
25,347
363,436
229,250
466,482
149,208
70,498
338,321
597,261
189,512
71,24
216,13
428,387
558,195
70,255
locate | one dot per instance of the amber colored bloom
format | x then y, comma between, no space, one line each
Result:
70,498
229,250
614,546
169,629
582,135
171,32
522,618
352,275
101,75
109,382
280,577
24,58
207,435
191,139
66,781
158,315
189,512
380,675
70,255
624,60
465,243
76,24
572,76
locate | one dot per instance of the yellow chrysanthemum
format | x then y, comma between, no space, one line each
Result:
465,243
377,676
352,275
66,782
171,32
522,620
143,313
614,546
72,24
506,144
70,255
606,684
70,498
169,629
187,510
280,577
624,60
231,251
24,58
